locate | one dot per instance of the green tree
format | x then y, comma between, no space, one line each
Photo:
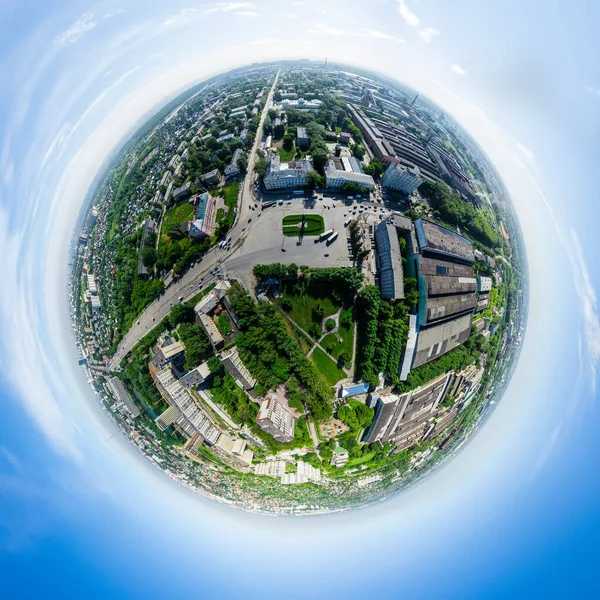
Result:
314,180
330,325
260,166
149,257
318,312
319,157
288,141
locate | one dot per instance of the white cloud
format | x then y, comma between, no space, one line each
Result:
409,17
364,33
592,90
290,15
247,13
588,302
457,70
231,7
85,23
527,152
427,33
183,16
10,458
328,30
382,35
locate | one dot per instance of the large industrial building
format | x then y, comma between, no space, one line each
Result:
441,262
453,173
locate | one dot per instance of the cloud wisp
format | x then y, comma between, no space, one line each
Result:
86,22
457,69
375,34
411,19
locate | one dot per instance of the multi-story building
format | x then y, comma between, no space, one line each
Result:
182,192
402,418
212,331
302,104
203,224
339,458
402,179
234,365
196,376
276,418
167,353
389,255
122,395
287,175
302,138
211,178
189,417
337,176
232,169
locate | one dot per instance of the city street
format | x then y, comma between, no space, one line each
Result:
200,275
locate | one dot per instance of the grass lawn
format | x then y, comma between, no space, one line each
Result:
224,324
314,225
304,343
230,194
355,462
331,341
287,155
327,368
302,305
177,215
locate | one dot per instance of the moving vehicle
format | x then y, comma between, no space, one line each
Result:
298,192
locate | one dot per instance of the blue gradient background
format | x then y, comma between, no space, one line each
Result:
516,514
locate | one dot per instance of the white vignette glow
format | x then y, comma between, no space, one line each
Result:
90,113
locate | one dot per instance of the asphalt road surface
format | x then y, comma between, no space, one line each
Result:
188,285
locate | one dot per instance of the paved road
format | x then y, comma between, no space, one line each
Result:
200,275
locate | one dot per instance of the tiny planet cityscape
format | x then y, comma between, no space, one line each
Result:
298,288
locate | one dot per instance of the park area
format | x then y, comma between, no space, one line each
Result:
303,225
177,216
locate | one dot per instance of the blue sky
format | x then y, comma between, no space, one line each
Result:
516,514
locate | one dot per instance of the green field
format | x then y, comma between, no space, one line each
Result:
302,306
331,341
327,368
314,225
177,215
286,155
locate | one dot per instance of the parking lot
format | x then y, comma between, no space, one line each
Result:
266,243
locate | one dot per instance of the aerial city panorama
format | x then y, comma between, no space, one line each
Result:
298,287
